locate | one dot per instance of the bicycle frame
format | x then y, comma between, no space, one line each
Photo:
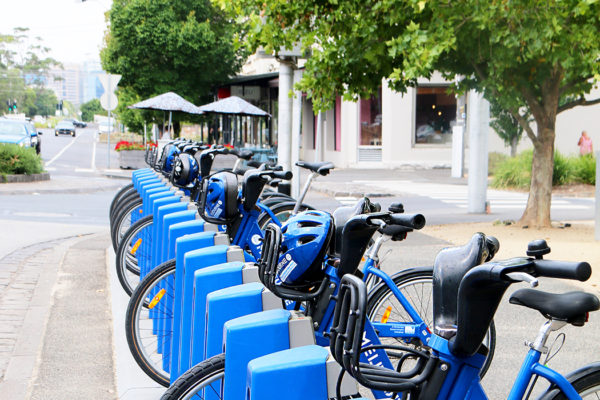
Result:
374,331
463,382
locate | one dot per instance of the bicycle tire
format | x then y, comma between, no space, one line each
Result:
120,193
585,381
418,278
141,337
121,262
117,230
126,198
199,377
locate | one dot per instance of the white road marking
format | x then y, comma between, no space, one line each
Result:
94,156
60,153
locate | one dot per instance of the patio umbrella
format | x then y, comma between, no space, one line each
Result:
167,102
233,105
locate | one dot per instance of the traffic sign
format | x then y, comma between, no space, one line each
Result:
108,100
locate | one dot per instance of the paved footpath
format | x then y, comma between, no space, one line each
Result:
51,345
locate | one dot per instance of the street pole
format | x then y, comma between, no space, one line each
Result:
296,132
109,102
284,125
597,222
479,113
108,141
319,137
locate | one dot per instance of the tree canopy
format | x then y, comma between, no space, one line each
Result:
90,108
24,66
526,55
159,46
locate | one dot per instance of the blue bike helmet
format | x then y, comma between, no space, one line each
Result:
185,170
218,200
305,241
167,157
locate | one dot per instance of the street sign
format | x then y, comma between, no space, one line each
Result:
108,100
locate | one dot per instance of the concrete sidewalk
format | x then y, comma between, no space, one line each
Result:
55,329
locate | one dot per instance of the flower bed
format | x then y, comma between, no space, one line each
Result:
125,145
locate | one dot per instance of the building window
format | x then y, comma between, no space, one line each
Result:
370,121
435,115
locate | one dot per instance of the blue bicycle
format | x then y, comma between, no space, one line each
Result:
154,297
466,298
294,281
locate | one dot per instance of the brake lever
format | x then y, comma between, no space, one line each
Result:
523,277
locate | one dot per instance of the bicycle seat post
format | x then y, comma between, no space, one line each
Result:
300,199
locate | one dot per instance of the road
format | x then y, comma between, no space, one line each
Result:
38,217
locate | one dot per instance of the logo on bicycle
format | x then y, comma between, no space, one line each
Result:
256,239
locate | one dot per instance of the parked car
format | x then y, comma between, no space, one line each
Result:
77,123
36,140
15,132
64,127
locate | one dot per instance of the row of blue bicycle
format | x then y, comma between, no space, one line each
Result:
239,291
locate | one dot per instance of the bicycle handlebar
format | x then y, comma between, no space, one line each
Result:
580,271
413,221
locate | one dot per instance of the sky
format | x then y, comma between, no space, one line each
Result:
72,29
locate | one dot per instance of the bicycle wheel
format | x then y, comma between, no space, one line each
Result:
586,383
130,253
118,196
205,377
417,287
148,321
124,220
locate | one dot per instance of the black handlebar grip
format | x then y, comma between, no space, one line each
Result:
414,221
287,175
580,271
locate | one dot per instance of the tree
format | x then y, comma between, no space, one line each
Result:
506,126
45,102
23,67
89,109
525,55
159,46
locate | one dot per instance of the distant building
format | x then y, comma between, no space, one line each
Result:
76,83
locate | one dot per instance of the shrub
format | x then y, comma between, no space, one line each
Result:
562,173
514,172
584,169
494,160
19,160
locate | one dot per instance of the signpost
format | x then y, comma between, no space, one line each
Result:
109,101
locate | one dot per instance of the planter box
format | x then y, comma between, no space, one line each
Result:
132,159
44,176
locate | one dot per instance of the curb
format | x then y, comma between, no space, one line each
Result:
348,193
59,191
23,178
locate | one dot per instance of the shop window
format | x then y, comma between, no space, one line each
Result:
435,115
370,121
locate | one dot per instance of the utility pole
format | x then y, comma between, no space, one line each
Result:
479,122
284,124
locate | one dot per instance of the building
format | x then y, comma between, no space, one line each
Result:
393,130
76,83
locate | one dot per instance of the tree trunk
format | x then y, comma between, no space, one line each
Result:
537,212
513,146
